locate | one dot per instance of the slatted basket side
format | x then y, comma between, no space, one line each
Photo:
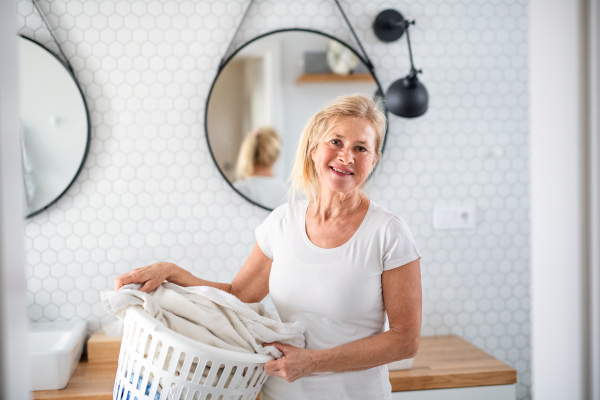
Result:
154,365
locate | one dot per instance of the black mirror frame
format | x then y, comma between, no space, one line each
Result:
226,61
89,128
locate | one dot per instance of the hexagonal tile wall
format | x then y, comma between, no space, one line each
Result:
149,190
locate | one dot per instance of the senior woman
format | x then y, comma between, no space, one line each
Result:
337,262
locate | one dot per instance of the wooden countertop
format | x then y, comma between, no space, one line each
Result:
91,381
451,362
442,362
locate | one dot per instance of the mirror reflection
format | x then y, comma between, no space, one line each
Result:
262,99
54,126
257,156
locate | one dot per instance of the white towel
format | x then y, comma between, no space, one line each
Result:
208,315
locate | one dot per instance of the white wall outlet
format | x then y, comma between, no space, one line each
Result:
454,217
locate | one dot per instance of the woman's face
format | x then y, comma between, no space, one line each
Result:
346,155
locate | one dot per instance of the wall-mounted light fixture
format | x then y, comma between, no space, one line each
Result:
407,97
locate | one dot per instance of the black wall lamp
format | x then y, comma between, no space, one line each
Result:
407,97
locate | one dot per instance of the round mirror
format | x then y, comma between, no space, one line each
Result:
55,130
263,97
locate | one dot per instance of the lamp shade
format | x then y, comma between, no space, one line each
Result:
407,97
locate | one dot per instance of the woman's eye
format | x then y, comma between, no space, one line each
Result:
335,141
362,149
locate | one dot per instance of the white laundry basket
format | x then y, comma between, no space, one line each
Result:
157,363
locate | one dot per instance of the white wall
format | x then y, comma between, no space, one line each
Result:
558,222
14,376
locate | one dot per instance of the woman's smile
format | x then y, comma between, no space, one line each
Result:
341,171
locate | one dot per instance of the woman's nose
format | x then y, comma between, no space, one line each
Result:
345,156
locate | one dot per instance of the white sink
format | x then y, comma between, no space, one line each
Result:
54,352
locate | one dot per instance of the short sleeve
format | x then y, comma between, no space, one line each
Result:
399,247
266,233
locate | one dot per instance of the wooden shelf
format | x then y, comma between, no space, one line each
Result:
335,78
442,362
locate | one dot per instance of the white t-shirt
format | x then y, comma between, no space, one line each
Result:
336,293
265,190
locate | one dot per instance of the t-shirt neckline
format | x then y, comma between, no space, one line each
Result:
315,247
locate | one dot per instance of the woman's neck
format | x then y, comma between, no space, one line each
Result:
334,204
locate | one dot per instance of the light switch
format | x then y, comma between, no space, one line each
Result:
454,217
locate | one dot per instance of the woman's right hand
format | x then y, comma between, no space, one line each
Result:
151,276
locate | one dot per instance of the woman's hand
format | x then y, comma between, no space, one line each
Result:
295,363
151,276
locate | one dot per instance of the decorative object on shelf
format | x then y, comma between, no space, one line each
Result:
340,58
55,123
336,64
406,97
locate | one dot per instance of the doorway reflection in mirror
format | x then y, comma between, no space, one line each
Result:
254,170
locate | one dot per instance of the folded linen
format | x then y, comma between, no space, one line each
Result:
208,315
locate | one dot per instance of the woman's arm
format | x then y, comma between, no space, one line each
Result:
251,284
153,275
402,298
403,301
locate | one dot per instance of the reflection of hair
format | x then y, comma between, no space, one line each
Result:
304,175
260,148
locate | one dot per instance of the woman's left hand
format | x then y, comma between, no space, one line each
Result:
295,363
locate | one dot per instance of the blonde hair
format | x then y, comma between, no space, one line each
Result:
260,148
304,175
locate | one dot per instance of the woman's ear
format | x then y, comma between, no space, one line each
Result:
311,152
376,159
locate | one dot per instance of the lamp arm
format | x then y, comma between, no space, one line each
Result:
413,70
